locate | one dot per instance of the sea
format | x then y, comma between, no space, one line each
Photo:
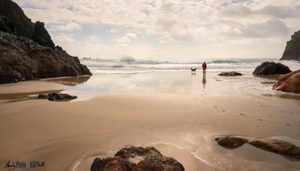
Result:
132,65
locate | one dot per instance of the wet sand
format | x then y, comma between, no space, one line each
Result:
69,135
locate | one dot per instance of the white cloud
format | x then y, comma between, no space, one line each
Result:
126,39
67,27
211,22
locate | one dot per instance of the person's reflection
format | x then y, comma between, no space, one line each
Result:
204,80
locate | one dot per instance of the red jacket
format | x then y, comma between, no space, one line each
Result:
204,66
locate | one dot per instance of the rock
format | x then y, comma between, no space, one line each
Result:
22,25
277,146
160,164
24,59
280,147
112,164
41,35
57,97
231,142
16,22
271,68
27,51
289,82
137,159
6,25
232,73
292,49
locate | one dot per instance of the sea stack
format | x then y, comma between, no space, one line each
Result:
27,51
292,50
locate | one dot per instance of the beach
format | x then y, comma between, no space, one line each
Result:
176,112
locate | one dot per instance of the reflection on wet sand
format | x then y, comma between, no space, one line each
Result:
70,81
204,80
33,93
9,98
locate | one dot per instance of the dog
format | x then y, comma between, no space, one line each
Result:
193,69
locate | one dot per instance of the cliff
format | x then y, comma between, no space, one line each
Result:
292,50
27,51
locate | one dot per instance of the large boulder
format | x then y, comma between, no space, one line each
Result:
27,51
289,82
292,50
280,147
271,68
137,159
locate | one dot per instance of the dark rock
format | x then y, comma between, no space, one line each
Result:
43,96
57,97
13,20
27,51
232,73
22,25
278,147
128,152
137,159
289,82
24,59
231,142
283,148
159,164
271,68
6,25
292,50
112,164
41,35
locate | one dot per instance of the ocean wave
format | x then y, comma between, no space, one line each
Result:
224,61
131,64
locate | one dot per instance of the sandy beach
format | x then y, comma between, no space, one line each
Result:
181,124
152,85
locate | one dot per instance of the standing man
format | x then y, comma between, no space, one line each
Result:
204,66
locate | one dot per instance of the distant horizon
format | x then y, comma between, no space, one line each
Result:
177,59
164,30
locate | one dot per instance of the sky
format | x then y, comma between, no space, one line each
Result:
168,29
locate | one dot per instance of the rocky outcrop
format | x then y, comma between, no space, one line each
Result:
15,21
280,147
57,97
292,49
137,159
27,51
271,68
289,82
41,35
23,59
232,73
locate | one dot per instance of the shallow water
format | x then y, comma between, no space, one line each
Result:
177,82
169,82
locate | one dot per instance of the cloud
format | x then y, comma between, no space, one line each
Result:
126,39
282,11
66,27
172,22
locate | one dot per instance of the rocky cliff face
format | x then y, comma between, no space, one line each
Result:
27,51
292,50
